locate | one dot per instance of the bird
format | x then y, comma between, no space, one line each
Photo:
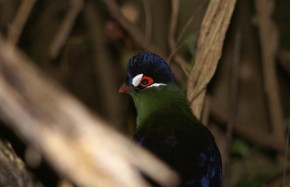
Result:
166,126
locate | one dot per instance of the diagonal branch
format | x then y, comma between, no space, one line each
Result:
19,21
77,144
65,28
136,34
209,50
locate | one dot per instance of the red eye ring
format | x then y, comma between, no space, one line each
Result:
146,81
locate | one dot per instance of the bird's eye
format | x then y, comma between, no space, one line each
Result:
146,81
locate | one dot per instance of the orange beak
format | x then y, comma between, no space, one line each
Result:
125,88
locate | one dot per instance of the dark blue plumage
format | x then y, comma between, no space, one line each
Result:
150,65
166,125
189,150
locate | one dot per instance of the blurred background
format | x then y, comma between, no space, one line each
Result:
81,45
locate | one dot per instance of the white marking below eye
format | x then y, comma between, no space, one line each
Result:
156,85
137,79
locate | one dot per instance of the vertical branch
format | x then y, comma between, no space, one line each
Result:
206,111
172,27
269,43
19,21
148,19
286,154
102,65
175,4
233,100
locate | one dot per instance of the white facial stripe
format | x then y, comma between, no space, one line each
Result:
156,85
137,79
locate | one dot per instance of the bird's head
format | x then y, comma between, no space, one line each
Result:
146,70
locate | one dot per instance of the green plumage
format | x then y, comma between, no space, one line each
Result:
168,99
166,125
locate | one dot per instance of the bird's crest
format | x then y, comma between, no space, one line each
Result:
148,70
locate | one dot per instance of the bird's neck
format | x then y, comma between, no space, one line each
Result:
166,99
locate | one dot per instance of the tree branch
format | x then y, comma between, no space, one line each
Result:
269,39
209,50
77,144
233,104
148,19
12,170
175,4
19,21
64,30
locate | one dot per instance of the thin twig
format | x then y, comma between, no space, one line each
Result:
189,22
233,100
174,54
19,21
179,45
269,38
286,155
250,134
184,29
65,28
173,23
171,37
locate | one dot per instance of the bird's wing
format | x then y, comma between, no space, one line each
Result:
189,150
